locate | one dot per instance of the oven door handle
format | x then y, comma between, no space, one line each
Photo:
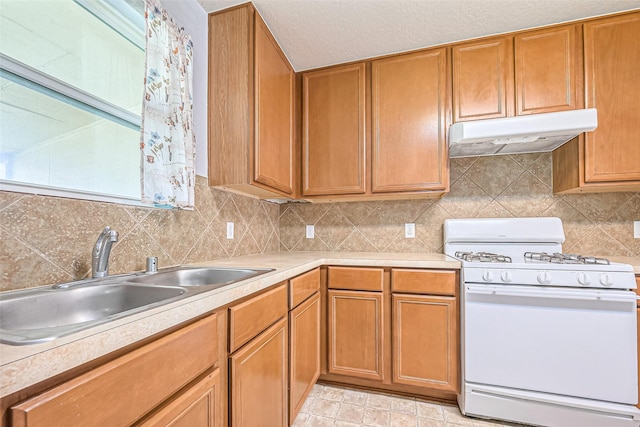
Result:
578,294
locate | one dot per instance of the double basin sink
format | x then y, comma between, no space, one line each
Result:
39,315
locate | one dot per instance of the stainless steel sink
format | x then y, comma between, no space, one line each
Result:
211,277
40,315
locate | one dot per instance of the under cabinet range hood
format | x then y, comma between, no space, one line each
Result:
522,134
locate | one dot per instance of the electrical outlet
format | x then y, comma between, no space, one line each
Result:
410,231
230,230
636,229
310,231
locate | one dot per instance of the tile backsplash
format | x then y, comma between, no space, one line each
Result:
500,186
49,240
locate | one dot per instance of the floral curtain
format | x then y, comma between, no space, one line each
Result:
167,138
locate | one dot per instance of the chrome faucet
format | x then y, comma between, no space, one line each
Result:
101,251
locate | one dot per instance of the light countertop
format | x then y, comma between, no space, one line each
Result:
633,261
23,366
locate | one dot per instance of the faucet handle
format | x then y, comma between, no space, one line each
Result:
113,235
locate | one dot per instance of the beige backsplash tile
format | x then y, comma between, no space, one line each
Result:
48,240
485,187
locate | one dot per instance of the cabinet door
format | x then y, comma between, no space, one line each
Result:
612,61
273,113
258,380
638,316
425,342
546,64
333,131
356,334
410,104
304,352
483,79
197,406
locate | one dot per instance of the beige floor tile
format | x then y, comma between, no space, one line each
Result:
403,405
309,404
380,401
428,422
340,423
317,421
326,408
351,413
332,393
403,420
429,410
301,420
452,415
355,397
376,417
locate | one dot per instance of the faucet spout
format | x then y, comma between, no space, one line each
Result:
101,252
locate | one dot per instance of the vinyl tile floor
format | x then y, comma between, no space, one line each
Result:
343,407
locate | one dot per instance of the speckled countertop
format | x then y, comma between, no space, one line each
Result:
23,366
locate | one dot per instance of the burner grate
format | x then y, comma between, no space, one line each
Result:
482,257
558,258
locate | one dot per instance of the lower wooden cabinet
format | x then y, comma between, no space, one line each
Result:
304,352
425,341
258,380
123,391
355,333
196,407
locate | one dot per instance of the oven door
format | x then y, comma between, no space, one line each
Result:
572,342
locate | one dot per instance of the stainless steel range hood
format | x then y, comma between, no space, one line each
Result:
523,134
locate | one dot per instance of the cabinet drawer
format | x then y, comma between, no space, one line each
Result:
357,279
433,282
123,390
248,319
303,286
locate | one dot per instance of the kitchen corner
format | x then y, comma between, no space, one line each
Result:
23,366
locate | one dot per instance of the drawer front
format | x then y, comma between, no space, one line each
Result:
123,390
356,278
303,286
248,319
433,282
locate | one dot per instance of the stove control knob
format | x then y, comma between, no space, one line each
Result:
544,278
487,276
506,276
605,280
584,279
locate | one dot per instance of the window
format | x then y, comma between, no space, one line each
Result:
71,88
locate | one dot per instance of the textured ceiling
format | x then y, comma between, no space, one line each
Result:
316,33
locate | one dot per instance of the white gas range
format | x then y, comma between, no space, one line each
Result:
547,338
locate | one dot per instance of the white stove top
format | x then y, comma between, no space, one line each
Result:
528,252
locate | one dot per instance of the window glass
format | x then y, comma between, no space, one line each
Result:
71,139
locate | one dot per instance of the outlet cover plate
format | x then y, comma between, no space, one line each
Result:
230,230
636,229
410,231
310,231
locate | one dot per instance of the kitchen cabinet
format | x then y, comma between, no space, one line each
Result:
532,72
174,374
251,107
377,130
258,371
356,322
410,115
334,141
394,329
425,329
304,333
607,159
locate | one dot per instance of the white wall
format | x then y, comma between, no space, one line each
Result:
190,15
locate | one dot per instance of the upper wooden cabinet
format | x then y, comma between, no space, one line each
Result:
251,107
483,79
548,70
334,151
410,110
377,130
531,72
607,159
